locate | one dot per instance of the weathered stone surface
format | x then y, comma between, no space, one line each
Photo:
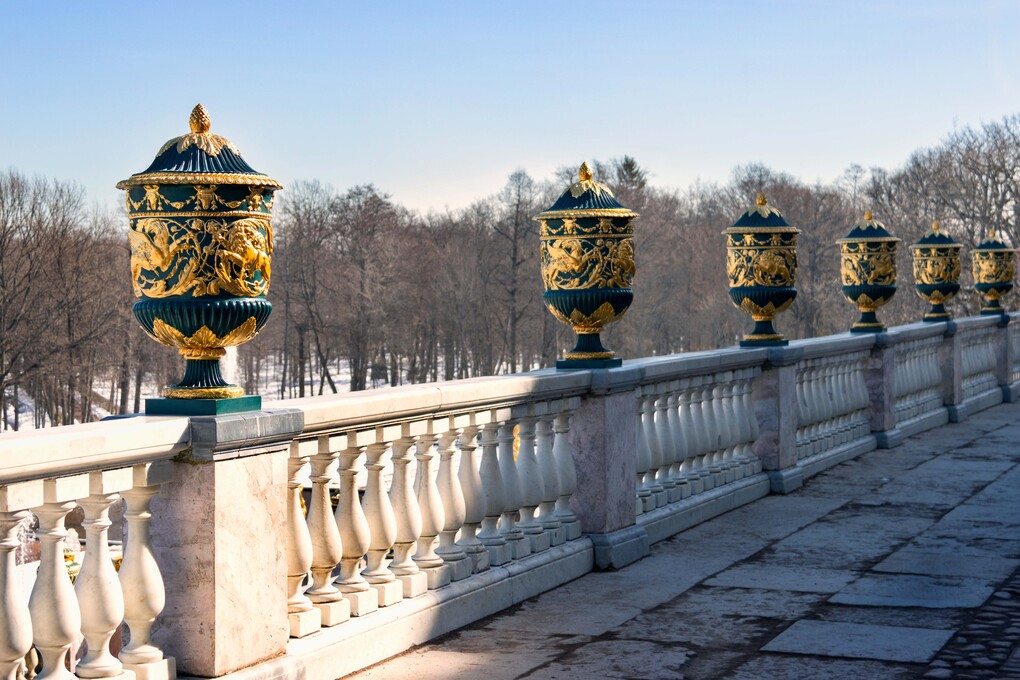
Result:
909,590
854,640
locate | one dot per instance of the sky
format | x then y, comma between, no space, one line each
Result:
436,103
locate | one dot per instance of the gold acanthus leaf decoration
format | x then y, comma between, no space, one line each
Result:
203,344
592,323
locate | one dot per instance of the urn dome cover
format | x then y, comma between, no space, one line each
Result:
993,244
868,230
586,198
199,157
936,238
762,215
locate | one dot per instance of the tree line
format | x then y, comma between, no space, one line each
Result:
367,292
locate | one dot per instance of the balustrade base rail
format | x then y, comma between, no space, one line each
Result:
670,520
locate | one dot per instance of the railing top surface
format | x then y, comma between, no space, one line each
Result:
74,449
918,331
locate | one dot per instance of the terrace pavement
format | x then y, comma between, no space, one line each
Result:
901,563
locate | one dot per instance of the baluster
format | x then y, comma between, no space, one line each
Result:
532,488
303,617
140,578
475,500
667,446
550,475
56,619
382,524
432,518
642,458
656,457
687,430
495,498
355,534
327,545
454,507
683,488
15,621
700,431
406,517
512,494
754,466
802,413
99,594
816,408
709,404
732,430
563,450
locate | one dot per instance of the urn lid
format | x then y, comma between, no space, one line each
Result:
763,217
936,238
870,230
991,244
199,157
586,198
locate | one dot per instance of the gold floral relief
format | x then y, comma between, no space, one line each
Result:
765,266
203,257
992,267
760,313
205,198
932,266
868,268
579,263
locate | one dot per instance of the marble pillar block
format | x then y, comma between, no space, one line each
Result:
880,380
950,360
775,408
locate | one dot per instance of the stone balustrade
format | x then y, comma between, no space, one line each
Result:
323,534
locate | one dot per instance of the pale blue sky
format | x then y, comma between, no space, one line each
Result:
436,103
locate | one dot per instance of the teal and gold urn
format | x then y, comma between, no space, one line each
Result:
994,267
201,246
587,266
868,269
936,271
761,262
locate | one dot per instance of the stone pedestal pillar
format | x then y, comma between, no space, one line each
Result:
880,379
603,438
217,532
1004,359
950,357
775,407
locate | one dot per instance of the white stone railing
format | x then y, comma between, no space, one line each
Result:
379,520
978,355
918,372
47,474
832,402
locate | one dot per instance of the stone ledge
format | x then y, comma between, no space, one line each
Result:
979,402
923,422
617,549
335,652
669,520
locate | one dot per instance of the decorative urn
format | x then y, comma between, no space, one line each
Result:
936,271
994,266
761,262
201,244
868,269
587,266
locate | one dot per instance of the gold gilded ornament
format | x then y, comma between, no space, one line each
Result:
203,343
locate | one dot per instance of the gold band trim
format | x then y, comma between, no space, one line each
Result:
229,213
227,392
199,178
560,237
597,212
880,239
589,355
764,336
760,230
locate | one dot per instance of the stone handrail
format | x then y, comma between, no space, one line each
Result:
378,520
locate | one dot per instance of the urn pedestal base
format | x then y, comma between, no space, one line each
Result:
764,335
202,407
577,364
868,323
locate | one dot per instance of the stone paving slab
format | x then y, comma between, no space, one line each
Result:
781,577
860,641
935,563
913,590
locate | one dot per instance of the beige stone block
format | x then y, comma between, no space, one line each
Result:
573,530
674,494
390,592
460,569
539,542
413,585
558,536
520,548
499,554
334,613
304,623
437,577
480,561
164,669
362,602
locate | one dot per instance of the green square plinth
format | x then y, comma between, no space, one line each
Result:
202,407
576,364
